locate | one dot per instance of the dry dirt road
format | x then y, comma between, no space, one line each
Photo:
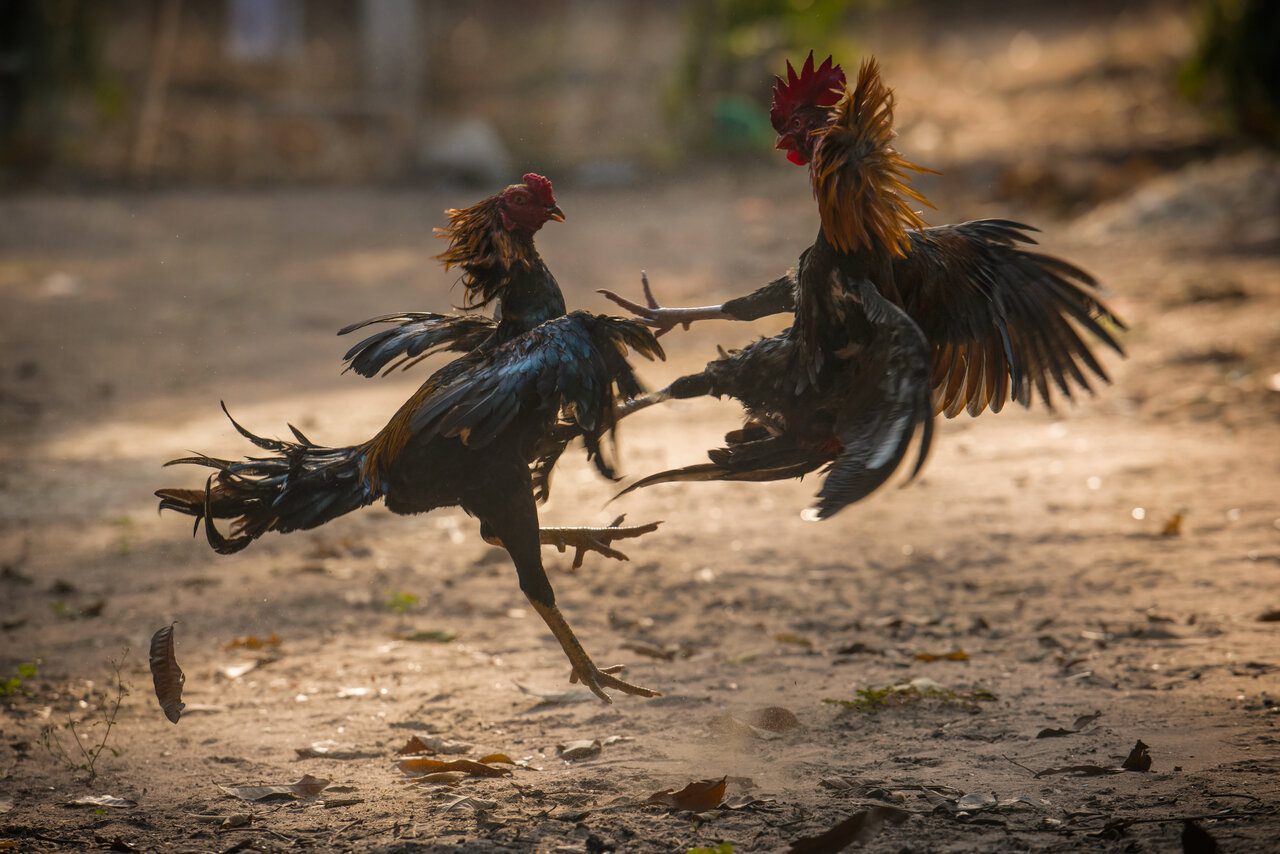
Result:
1032,546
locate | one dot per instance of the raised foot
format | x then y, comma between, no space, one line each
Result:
599,678
663,320
599,540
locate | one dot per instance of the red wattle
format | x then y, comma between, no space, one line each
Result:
797,158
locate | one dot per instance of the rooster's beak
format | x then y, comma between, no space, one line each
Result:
555,213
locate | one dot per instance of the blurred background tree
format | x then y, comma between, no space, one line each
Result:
50,51
1237,65
732,51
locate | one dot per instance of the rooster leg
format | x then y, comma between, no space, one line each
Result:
664,319
600,540
635,404
583,539
510,516
584,669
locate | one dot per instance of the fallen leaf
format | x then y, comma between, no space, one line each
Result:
860,827
477,804
1172,527
415,745
420,765
1139,759
252,642
774,719
582,749
663,653
1079,771
954,655
441,778
1272,616
435,744
1086,720
307,787
237,669
334,803
1054,732
555,698
742,802
6,804
698,796
427,636
793,639
497,758
976,802
103,801
330,749
166,675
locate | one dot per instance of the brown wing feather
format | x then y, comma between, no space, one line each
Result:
1004,322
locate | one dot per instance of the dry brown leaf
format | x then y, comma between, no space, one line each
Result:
1139,759
1172,527
414,745
793,639
425,765
1079,771
582,749
774,719
103,801
664,653
954,655
236,670
860,827
493,758
477,804
166,674
698,796
252,642
307,787
441,778
1054,732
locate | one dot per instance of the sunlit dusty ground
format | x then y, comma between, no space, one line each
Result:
1033,541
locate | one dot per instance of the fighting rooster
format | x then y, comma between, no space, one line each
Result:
996,319
469,436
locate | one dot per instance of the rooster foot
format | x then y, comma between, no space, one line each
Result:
659,318
600,540
584,669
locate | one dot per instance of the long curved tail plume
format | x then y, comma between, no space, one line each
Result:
302,485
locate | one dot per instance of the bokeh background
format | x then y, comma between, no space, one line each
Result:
251,92
194,197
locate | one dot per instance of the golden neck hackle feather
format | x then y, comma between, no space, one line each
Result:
484,249
861,183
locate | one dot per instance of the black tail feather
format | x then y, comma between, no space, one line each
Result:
302,485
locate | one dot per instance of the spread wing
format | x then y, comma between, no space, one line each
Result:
1004,322
415,336
883,412
574,366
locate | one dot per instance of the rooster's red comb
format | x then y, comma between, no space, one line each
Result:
810,88
541,187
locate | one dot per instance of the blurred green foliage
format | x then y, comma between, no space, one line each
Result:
1237,64
719,95
50,52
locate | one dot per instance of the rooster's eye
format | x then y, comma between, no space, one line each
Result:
796,123
522,200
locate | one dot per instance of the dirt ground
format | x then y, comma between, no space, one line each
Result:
1115,557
